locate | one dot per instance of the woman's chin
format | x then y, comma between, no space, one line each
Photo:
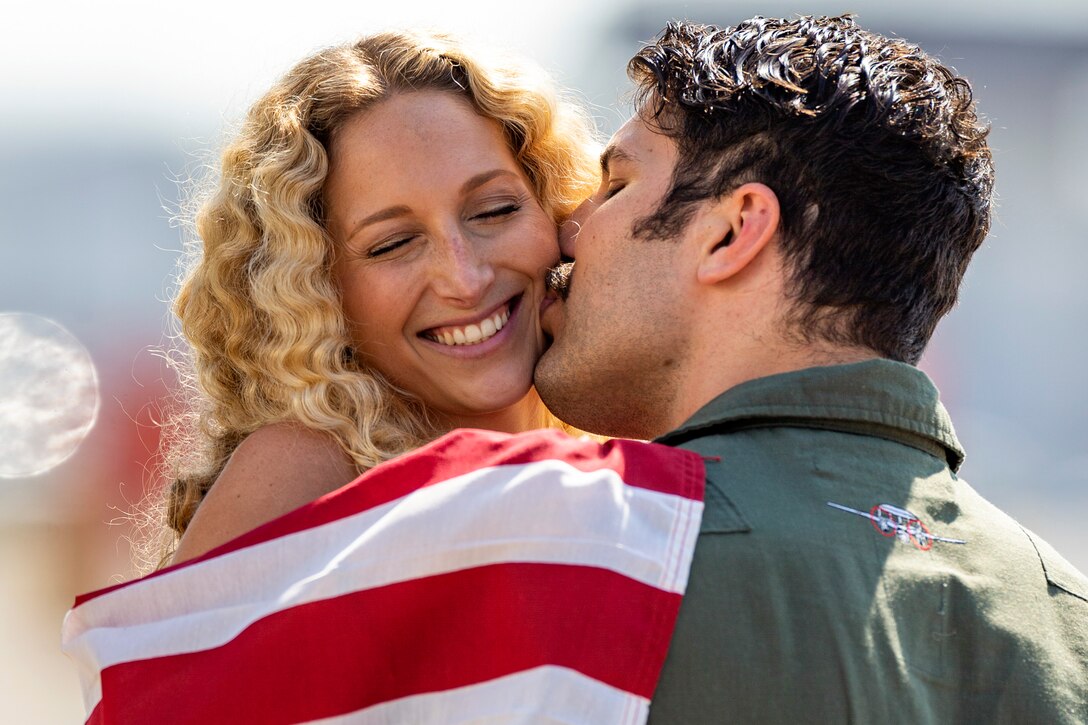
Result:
517,410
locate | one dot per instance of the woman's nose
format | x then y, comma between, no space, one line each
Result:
463,273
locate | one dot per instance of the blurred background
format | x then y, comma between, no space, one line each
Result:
106,106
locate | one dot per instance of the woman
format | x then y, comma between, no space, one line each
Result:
370,275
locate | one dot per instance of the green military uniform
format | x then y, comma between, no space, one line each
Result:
801,611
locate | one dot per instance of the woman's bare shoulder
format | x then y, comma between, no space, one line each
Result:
276,469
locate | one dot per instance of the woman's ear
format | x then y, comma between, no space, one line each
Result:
735,230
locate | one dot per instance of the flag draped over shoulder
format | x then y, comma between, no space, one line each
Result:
484,577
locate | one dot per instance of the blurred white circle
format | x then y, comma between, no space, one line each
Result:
48,394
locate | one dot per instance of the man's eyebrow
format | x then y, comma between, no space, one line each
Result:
611,153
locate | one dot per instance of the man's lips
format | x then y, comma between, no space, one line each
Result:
549,298
552,313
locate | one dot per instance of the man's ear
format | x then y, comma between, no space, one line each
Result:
735,230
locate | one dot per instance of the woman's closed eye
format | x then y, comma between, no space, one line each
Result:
388,246
613,189
498,212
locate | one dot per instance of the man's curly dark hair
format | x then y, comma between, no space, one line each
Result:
874,149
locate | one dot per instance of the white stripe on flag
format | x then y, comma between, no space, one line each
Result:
540,696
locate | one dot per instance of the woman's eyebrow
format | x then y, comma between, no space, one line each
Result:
401,210
391,212
482,178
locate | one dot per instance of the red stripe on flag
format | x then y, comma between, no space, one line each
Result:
318,660
644,465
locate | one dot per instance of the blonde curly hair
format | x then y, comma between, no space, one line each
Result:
265,337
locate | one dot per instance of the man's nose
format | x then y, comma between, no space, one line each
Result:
461,274
571,228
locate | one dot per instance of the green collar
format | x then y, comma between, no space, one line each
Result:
877,397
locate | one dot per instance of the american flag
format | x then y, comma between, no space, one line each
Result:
483,578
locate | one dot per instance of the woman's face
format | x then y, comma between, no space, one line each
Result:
441,250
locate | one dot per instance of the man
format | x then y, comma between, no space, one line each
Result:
778,231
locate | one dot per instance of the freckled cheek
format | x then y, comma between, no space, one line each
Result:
535,248
377,310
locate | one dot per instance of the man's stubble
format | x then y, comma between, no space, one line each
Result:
617,369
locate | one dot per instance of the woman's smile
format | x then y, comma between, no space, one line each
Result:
475,333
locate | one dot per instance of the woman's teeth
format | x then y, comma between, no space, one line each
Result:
470,334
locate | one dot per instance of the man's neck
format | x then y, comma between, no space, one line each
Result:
722,369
